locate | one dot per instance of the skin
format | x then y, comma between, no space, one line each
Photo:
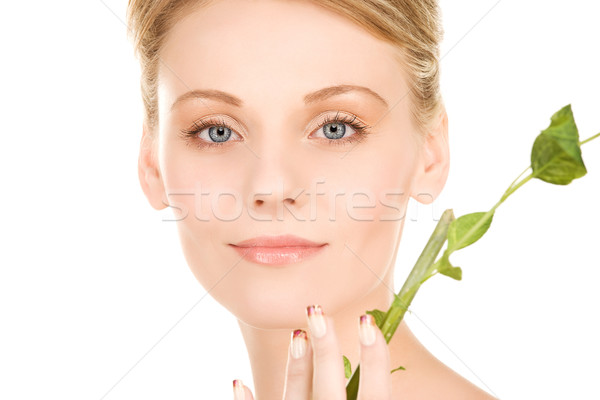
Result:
278,139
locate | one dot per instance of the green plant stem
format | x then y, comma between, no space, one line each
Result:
402,300
417,276
511,190
590,138
520,175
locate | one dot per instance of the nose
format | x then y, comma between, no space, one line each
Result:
275,185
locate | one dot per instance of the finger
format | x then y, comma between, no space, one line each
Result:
328,364
299,369
375,381
240,391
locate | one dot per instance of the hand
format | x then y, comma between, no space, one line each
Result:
315,369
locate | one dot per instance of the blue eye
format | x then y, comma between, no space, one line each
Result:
219,133
211,133
335,131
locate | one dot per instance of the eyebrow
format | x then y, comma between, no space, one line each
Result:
331,91
319,95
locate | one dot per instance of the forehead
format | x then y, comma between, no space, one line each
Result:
274,50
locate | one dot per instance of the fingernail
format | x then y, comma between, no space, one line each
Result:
316,321
366,329
238,390
298,343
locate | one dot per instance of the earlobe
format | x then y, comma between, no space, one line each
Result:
149,173
432,170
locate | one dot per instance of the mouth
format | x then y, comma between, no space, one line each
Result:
277,250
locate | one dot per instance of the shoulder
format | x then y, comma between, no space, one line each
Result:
449,385
425,376
430,379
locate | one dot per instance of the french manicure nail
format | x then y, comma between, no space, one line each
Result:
366,329
298,343
238,390
316,321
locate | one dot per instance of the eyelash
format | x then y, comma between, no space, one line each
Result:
360,130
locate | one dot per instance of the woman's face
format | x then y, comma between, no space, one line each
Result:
279,166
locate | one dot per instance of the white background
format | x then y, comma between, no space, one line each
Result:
91,277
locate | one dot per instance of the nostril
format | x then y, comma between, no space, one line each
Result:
289,200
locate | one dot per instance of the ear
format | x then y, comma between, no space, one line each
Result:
432,170
149,172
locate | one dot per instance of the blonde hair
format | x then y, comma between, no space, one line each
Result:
413,26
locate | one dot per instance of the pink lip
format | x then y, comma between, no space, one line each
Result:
277,250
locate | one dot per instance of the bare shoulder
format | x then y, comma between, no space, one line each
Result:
452,386
430,379
425,376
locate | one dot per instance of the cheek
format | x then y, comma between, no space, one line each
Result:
373,211
378,183
204,195
200,187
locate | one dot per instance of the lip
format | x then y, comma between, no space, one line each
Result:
277,250
278,241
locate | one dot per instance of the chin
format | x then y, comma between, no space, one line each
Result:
264,307
262,315
285,306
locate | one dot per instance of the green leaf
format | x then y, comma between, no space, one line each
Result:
446,268
347,367
556,153
397,369
378,315
460,234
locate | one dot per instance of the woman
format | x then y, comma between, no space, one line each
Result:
288,137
